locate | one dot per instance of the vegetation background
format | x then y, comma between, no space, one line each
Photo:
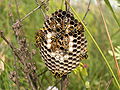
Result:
98,78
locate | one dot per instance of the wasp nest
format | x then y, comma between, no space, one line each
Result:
62,43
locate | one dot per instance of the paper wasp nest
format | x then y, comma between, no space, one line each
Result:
62,43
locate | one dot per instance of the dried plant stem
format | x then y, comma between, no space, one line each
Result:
16,69
16,3
43,3
17,54
66,5
56,84
43,72
104,58
108,84
64,83
109,38
117,32
88,9
44,14
3,37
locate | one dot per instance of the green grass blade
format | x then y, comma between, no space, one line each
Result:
106,61
111,9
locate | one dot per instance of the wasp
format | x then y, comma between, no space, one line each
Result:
40,37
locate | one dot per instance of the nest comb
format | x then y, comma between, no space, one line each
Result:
62,42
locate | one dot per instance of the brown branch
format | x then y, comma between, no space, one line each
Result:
44,14
88,9
16,70
9,44
66,5
109,38
64,83
17,10
2,36
108,84
22,42
38,7
18,56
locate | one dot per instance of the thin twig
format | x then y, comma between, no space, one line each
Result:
2,36
88,9
15,58
108,84
109,38
43,3
64,83
16,69
11,14
29,13
17,10
9,44
44,14
66,5
43,72
56,84
117,32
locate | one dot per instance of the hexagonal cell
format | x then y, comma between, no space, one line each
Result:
46,25
50,30
70,58
61,48
72,22
53,14
53,58
76,21
75,45
56,12
75,24
64,13
75,40
59,15
70,33
58,29
82,43
48,21
48,55
70,53
75,50
78,47
60,10
66,61
85,41
66,35
75,35
68,15
59,19
51,18
61,37
79,32
74,54
63,17
49,50
74,59
45,42
79,37
78,42
71,27
72,18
